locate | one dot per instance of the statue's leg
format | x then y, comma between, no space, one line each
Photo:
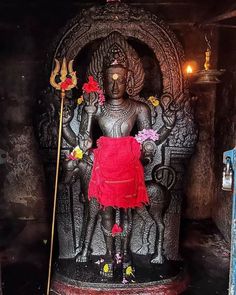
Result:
159,202
70,172
147,223
118,238
128,269
127,226
93,213
158,256
108,220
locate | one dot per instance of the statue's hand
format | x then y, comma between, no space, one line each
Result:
68,114
85,142
148,150
169,116
91,102
90,109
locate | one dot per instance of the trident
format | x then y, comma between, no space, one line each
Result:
68,81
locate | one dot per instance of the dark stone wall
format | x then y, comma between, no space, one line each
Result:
225,128
24,200
201,175
200,178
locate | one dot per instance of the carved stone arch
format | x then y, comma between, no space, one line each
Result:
95,24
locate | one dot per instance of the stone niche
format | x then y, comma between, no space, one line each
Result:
162,59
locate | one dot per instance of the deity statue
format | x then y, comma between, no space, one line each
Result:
126,143
112,176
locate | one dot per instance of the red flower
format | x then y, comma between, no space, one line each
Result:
116,229
91,86
66,83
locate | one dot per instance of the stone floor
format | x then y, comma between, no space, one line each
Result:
208,256
203,248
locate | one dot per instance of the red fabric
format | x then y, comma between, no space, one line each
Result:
117,177
116,229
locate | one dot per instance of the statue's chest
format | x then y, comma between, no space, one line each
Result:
117,122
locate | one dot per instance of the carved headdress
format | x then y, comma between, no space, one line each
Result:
115,50
115,56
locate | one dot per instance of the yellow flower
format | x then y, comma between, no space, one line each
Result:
80,100
106,268
154,101
129,271
77,153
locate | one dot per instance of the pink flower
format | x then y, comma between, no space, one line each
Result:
71,157
146,134
124,281
101,97
118,258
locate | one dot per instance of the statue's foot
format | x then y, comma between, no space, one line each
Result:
128,273
143,250
158,259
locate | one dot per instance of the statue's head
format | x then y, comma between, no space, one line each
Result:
117,67
115,72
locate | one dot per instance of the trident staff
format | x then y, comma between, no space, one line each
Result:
68,80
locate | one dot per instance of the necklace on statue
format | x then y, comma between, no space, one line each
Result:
116,111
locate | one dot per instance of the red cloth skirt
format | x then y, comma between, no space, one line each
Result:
117,176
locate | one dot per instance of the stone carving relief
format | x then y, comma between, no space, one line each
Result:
145,33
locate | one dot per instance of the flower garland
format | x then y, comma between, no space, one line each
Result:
146,134
93,86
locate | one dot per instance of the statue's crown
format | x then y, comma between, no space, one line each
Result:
115,56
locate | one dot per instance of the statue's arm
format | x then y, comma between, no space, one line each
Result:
67,132
86,124
169,118
144,121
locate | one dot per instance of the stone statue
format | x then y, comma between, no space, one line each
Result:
112,178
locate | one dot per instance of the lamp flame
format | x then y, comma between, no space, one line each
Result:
189,70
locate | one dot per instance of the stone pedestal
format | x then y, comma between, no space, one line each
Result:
71,278
173,286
